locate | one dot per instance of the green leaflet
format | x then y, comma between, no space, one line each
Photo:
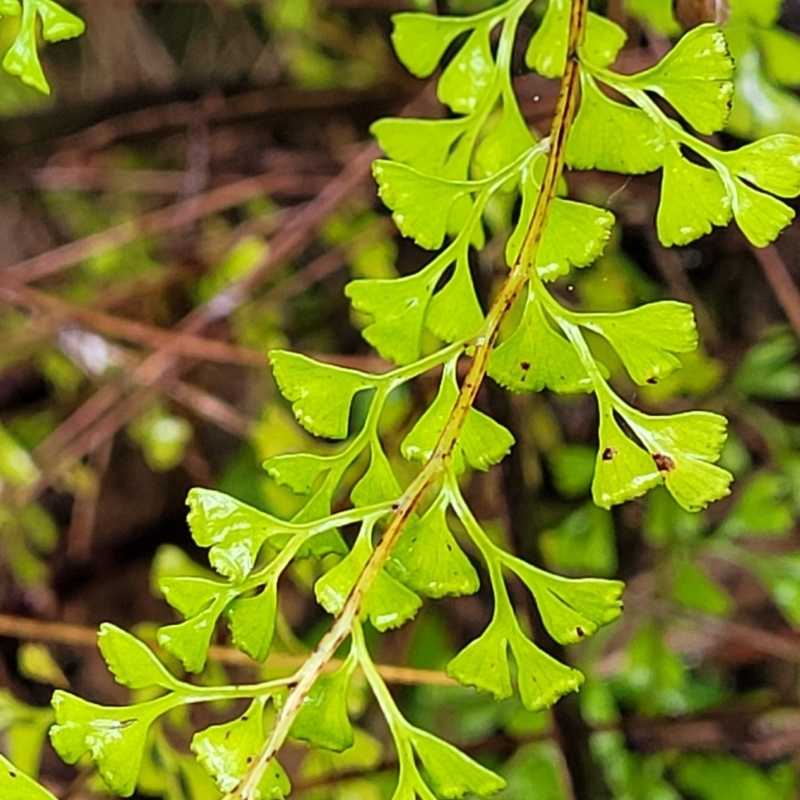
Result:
252,621
114,738
190,595
547,51
428,560
772,164
646,337
576,234
483,663
57,24
189,641
234,531
454,312
323,720
450,773
571,609
421,39
298,471
398,307
507,140
470,74
536,357
227,750
420,203
695,77
483,441
320,394
622,469
131,661
16,785
684,447
388,604
541,679
16,464
378,484
601,123
780,575
693,199
424,144
24,729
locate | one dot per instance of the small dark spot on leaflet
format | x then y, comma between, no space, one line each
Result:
526,365
609,453
580,631
12,774
652,381
245,718
449,548
664,462
249,759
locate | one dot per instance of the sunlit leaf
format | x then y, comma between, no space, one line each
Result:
760,216
425,144
420,203
623,470
131,661
772,164
421,39
695,77
693,199
454,312
379,483
483,441
600,125
509,138
113,737
451,773
428,560
398,307
226,752
483,663
320,394
189,641
388,603
16,785
233,530
298,471
646,337
252,621
571,609
536,357
469,74
684,447
323,720
541,679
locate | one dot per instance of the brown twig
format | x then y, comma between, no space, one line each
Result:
24,628
164,219
780,279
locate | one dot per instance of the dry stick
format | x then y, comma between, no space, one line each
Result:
247,789
181,344
785,289
27,629
102,415
164,219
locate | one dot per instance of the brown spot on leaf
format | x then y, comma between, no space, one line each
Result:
580,631
525,365
609,453
652,381
664,462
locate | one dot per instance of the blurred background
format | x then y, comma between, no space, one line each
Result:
196,191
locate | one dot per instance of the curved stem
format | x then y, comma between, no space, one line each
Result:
442,454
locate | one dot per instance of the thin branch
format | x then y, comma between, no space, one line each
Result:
24,628
247,789
181,344
784,287
164,219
